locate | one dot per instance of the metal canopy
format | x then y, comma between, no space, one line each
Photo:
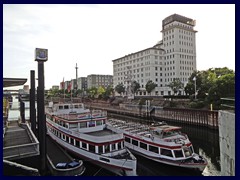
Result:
9,82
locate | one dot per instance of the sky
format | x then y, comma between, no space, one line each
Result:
92,35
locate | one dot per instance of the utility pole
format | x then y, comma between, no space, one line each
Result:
195,87
76,77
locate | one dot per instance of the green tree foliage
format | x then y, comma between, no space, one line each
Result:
120,88
108,92
53,93
176,85
150,86
212,85
79,92
92,91
100,90
135,86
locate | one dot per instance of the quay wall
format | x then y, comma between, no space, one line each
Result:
227,142
188,116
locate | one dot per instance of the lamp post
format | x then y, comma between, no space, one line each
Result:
41,56
195,86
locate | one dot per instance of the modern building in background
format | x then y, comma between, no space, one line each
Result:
172,57
96,80
55,87
82,83
88,82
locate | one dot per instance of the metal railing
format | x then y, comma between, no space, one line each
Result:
228,103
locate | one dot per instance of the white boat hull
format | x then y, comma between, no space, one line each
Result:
121,167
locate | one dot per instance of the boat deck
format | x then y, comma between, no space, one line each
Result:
131,127
104,132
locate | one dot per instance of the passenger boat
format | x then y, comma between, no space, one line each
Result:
84,133
159,142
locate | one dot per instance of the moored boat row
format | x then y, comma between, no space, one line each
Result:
89,135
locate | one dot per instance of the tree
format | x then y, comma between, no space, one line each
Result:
135,86
53,93
150,86
212,85
79,92
120,88
176,85
100,91
108,92
92,91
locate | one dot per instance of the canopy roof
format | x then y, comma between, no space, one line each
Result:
9,82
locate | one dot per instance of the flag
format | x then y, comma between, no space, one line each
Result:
69,87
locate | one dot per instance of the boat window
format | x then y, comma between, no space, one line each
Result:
153,149
178,153
73,125
83,124
107,148
84,145
91,148
63,124
65,106
67,125
143,145
60,107
166,152
187,151
67,139
156,133
72,141
134,142
113,147
70,106
127,139
100,149
76,106
77,144
119,145
64,137
58,134
80,106
91,124
98,123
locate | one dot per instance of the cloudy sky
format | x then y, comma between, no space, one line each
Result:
94,35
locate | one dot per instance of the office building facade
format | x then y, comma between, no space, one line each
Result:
172,57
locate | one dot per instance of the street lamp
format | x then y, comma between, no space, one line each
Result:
195,80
